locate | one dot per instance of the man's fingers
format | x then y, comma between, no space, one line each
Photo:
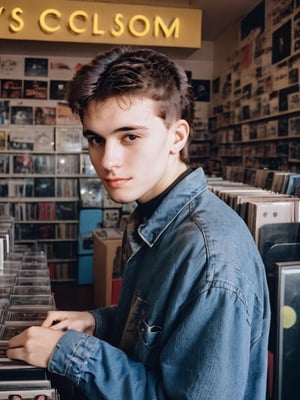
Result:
15,353
16,341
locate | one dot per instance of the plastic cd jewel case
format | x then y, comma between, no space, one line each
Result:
25,299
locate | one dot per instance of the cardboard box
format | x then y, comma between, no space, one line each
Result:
106,256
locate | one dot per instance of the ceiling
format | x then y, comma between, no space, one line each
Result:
217,14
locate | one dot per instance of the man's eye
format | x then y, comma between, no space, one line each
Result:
95,140
130,138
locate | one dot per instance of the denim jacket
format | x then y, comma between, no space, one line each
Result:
193,316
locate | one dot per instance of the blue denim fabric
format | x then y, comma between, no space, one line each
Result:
193,316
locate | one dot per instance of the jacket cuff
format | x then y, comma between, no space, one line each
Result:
70,355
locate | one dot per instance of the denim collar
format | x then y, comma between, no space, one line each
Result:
172,205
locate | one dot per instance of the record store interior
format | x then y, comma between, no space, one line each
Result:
63,237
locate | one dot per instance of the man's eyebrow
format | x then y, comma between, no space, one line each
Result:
88,132
131,128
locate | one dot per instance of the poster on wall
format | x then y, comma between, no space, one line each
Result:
11,66
35,89
254,22
64,67
282,10
281,43
36,67
11,88
201,89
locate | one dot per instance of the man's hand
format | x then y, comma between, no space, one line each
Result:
34,345
81,321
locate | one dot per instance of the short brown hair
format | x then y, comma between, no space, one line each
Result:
124,71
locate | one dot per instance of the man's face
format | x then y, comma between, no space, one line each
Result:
130,148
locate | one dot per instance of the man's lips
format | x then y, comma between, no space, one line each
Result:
116,182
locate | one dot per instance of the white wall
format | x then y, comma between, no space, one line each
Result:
199,61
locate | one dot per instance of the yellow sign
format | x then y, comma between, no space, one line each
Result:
93,22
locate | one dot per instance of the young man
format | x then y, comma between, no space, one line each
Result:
193,316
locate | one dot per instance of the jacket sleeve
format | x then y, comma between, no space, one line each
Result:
104,318
206,357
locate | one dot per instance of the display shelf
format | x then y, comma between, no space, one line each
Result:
263,149
45,205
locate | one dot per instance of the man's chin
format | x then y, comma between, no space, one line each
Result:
120,199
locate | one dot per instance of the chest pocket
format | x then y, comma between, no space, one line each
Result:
140,339
149,334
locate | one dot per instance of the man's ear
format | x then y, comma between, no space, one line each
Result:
181,134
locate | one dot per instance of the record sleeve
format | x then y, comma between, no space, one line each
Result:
68,139
44,187
90,193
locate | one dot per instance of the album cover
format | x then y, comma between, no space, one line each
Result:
4,162
37,67
66,187
61,67
4,111
66,210
11,65
44,115
44,187
281,42
65,115
281,10
266,212
284,95
245,199
25,231
111,218
23,164
44,138
253,23
66,231
20,187
293,100
67,164
86,166
280,180
294,126
293,183
34,89
21,115
38,394
283,127
11,88
287,330
201,88
3,140
68,139
90,193
44,164
21,139
272,128
274,104
58,89
294,151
